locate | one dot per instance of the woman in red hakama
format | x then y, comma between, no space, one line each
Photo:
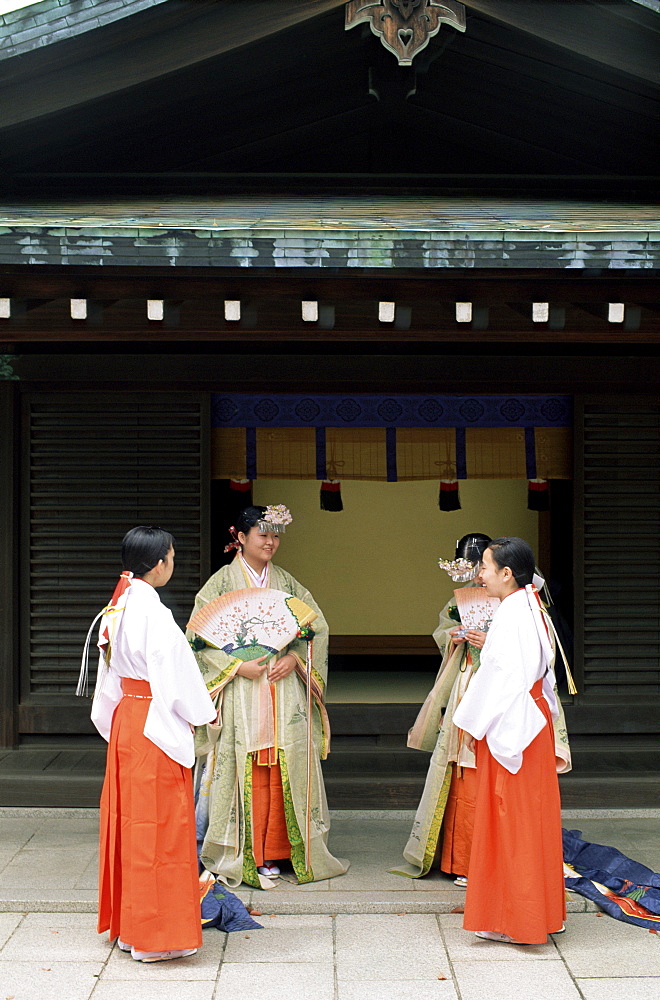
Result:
515,887
148,855
148,695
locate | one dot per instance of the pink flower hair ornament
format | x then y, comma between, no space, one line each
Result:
460,570
275,520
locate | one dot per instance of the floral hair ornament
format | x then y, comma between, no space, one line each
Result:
275,520
460,570
235,544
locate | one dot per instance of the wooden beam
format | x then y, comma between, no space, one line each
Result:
37,286
425,369
609,33
205,29
383,645
480,331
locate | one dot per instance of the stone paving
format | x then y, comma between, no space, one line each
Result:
365,936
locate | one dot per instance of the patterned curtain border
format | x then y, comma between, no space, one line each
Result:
297,410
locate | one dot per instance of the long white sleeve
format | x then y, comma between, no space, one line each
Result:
150,646
107,696
498,705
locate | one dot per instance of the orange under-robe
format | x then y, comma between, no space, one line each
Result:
458,821
148,876
270,839
515,881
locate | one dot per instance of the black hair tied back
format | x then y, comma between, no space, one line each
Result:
143,547
517,555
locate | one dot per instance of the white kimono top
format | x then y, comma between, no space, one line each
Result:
150,646
497,704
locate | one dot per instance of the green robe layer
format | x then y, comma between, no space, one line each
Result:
435,732
228,748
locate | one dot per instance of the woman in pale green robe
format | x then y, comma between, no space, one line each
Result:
434,731
250,720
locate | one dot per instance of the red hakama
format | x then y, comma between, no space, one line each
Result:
270,839
148,876
516,883
458,821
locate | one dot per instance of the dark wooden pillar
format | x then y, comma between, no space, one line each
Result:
8,564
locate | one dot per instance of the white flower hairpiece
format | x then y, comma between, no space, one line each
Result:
460,570
275,519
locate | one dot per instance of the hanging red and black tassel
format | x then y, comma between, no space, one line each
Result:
449,498
240,485
331,495
538,494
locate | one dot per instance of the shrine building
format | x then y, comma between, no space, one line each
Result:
393,264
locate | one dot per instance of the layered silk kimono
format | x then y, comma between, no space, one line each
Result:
450,787
515,881
254,715
145,702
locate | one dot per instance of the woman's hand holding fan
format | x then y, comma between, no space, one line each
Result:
253,669
282,668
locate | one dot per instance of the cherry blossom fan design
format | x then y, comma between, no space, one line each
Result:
475,608
251,623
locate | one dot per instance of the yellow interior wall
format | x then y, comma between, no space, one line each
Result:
373,567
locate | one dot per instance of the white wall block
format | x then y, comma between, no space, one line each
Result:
310,311
386,312
540,312
463,312
616,312
233,310
155,309
78,308
5,308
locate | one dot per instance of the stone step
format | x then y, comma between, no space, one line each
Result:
375,760
365,771
372,719
327,900
403,791
635,790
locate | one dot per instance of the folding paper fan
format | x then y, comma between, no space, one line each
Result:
251,623
475,607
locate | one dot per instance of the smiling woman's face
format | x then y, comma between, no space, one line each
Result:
259,546
497,582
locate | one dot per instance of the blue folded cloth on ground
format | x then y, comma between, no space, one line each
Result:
222,909
625,889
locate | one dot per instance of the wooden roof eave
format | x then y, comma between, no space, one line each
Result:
166,42
622,34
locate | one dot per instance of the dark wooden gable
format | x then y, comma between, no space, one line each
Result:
222,87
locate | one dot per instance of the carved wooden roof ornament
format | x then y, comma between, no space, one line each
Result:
405,27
